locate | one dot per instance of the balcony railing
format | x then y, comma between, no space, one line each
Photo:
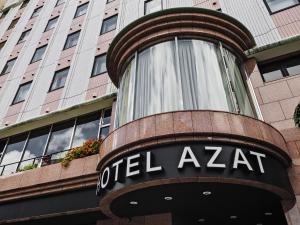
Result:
38,161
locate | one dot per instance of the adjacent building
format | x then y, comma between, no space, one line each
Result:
193,101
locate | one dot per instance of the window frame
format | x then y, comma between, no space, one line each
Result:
55,73
65,48
44,46
145,5
270,11
84,4
20,86
33,13
10,27
24,40
59,3
98,74
106,19
14,59
54,18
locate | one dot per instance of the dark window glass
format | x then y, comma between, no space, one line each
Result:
87,127
278,5
13,24
4,14
51,24
36,12
152,6
81,10
109,1
22,93
35,147
2,45
60,139
278,69
24,36
13,153
39,53
24,4
99,65
72,40
2,146
8,66
59,79
59,2
109,24
104,132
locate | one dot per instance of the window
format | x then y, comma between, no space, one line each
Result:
24,36
4,13
72,40
99,65
109,1
13,24
60,139
152,6
35,147
8,66
36,12
13,153
87,127
59,79
279,5
281,68
2,44
51,24
59,2
53,141
24,4
22,93
109,24
39,53
81,10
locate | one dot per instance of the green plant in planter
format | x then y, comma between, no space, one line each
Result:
90,147
28,167
297,116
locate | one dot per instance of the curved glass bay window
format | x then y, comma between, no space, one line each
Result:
181,74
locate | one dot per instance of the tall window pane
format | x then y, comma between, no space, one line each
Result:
8,66
39,53
51,24
59,79
276,5
22,93
152,6
72,40
35,147
24,4
59,2
60,139
13,153
24,36
13,24
36,12
81,10
2,44
87,128
99,65
109,24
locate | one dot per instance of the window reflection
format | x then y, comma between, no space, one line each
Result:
60,137
87,128
13,153
35,146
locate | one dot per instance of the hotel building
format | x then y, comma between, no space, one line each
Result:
193,101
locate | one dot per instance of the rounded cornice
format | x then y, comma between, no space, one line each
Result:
167,24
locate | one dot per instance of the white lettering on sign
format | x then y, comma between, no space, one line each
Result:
211,163
188,157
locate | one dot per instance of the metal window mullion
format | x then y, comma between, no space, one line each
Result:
100,123
4,150
23,150
231,90
73,133
46,145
